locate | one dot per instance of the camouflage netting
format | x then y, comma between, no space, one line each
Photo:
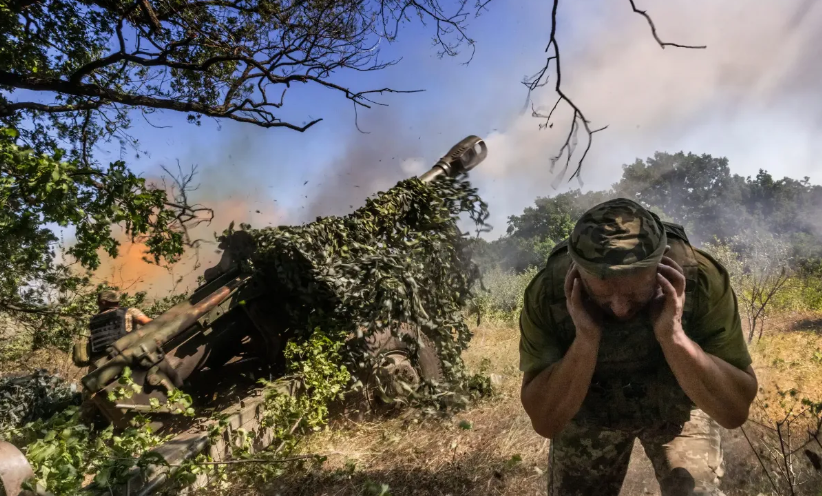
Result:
398,259
38,395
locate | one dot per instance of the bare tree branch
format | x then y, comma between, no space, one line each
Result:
189,215
662,44
260,116
9,109
759,458
578,119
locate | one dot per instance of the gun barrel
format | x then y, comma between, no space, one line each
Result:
461,158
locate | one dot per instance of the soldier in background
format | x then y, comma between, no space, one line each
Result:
630,333
109,325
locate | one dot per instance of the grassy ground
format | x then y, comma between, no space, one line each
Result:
492,449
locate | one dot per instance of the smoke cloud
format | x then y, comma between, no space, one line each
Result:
752,95
373,160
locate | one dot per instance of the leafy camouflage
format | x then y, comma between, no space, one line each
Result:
29,397
400,259
687,459
617,236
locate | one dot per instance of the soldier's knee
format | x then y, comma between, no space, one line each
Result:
681,482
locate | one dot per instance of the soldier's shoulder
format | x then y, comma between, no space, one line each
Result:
550,280
713,276
134,312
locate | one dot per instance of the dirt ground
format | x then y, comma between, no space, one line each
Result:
491,448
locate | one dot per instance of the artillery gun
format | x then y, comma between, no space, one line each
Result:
213,344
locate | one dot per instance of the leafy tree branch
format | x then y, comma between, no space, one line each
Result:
224,59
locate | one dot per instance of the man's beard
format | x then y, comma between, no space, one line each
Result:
641,311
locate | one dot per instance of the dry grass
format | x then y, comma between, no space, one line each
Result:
500,454
490,449
789,356
52,359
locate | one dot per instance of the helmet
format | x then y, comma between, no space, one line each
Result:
108,296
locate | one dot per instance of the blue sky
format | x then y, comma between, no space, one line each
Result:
458,100
751,96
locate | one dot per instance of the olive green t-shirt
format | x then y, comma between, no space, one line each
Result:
715,326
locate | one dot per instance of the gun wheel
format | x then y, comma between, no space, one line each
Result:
397,373
14,470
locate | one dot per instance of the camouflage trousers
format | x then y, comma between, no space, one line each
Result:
687,459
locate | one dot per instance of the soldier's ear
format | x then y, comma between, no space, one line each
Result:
667,249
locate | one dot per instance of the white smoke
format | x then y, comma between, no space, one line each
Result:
752,95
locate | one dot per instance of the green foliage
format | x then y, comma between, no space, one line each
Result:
41,415
91,63
501,297
697,191
62,450
802,293
554,218
69,318
532,235
41,190
398,259
126,388
371,488
512,462
315,365
512,252
758,265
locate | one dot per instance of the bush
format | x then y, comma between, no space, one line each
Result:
802,293
500,299
22,334
759,267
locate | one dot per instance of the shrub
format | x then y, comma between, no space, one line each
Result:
802,293
501,297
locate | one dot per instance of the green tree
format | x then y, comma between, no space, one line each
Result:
697,191
73,72
532,235
92,61
554,217
39,191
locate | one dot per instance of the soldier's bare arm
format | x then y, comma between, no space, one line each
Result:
718,388
138,317
553,396
142,319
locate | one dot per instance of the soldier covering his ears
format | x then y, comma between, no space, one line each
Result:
630,332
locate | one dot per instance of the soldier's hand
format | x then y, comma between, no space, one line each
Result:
587,319
670,304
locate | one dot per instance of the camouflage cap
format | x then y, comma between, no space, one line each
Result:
108,296
617,237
